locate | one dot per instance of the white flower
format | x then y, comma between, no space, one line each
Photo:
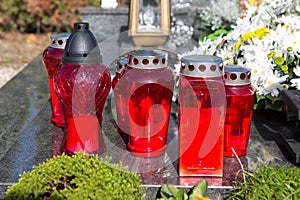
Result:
296,70
272,85
292,41
296,83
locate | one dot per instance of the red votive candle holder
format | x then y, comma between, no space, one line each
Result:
121,64
82,85
121,109
201,115
52,60
147,85
240,101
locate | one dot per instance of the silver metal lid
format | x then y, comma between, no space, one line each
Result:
121,64
59,41
237,75
148,59
201,66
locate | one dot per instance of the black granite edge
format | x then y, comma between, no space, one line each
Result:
37,142
21,99
292,101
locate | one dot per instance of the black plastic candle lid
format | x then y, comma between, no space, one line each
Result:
82,46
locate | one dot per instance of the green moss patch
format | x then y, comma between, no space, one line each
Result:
77,177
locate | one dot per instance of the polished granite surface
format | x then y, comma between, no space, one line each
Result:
28,138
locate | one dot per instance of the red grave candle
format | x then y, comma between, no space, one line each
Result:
201,112
240,101
82,85
120,69
121,110
52,60
147,85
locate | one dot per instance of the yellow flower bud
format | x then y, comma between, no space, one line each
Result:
279,60
284,68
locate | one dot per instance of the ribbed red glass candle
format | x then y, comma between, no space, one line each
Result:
82,85
240,101
201,113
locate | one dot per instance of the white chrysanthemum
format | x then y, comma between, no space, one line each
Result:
296,83
293,41
272,85
296,70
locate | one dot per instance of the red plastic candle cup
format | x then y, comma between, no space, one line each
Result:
240,101
147,85
121,109
52,60
82,84
201,115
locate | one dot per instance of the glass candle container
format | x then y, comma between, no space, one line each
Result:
120,69
201,114
240,101
82,85
52,59
121,110
147,85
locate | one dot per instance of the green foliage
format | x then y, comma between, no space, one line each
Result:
269,183
214,35
169,192
78,177
43,15
264,102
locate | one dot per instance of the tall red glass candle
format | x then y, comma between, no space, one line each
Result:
82,85
240,101
51,60
121,110
201,112
148,88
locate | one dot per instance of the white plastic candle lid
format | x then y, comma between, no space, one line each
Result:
236,75
59,41
147,59
121,64
201,66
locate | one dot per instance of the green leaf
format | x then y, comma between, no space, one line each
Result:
220,32
180,195
212,37
199,190
168,191
172,189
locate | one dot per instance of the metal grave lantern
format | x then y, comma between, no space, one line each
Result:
149,23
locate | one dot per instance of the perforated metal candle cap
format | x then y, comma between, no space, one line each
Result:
201,66
236,75
59,41
148,59
121,64
82,46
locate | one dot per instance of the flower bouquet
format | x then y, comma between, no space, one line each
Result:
266,39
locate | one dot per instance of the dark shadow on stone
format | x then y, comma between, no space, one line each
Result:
270,124
274,126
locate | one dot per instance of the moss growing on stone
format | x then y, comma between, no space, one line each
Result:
277,182
78,177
